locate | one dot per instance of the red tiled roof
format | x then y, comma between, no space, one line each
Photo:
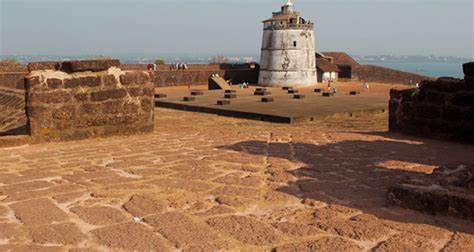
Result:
326,66
341,58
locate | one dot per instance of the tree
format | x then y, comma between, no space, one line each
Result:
9,62
160,61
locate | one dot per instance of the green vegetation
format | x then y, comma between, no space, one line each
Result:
160,61
9,62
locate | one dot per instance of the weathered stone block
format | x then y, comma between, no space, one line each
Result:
134,78
468,69
223,102
354,93
197,93
32,82
293,91
54,83
147,104
135,91
49,98
113,107
159,96
64,113
451,113
442,85
230,96
463,99
109,81
81,97
108,94
38,112
262,93
260,89
89,65
47,65
434,97
90,81
447,191
131,108
428,111
148,91
299,96
188,98
268,99
90,109
327,94
230,91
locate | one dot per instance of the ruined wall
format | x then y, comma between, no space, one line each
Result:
198,74
84,99
440,109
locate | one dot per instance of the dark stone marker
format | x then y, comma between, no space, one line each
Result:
260,89
293,91
299,96
318,90
262,93
230,96
267,99
223,102
327,94
230,91
286,88
196,93
188,98
161,96
354,93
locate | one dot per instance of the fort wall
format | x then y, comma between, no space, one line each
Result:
198,74
86,99
443,108
372,73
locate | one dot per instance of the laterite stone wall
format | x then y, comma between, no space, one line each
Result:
441,109
86,99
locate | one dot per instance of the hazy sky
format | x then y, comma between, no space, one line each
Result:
111,27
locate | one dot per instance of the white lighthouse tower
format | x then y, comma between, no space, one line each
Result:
288,50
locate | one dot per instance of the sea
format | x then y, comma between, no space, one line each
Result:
433,69
420,65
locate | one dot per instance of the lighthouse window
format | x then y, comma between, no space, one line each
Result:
294,43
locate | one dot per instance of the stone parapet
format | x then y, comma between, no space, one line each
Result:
85,99
440,109
448,191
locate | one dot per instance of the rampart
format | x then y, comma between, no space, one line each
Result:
75,100
198,74
372,73
439,109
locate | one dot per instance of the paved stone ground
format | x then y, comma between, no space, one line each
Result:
202,182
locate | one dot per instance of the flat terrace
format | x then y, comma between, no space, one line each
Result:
285,107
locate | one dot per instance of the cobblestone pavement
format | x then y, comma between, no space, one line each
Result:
202,182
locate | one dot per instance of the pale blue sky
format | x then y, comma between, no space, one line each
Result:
109,27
